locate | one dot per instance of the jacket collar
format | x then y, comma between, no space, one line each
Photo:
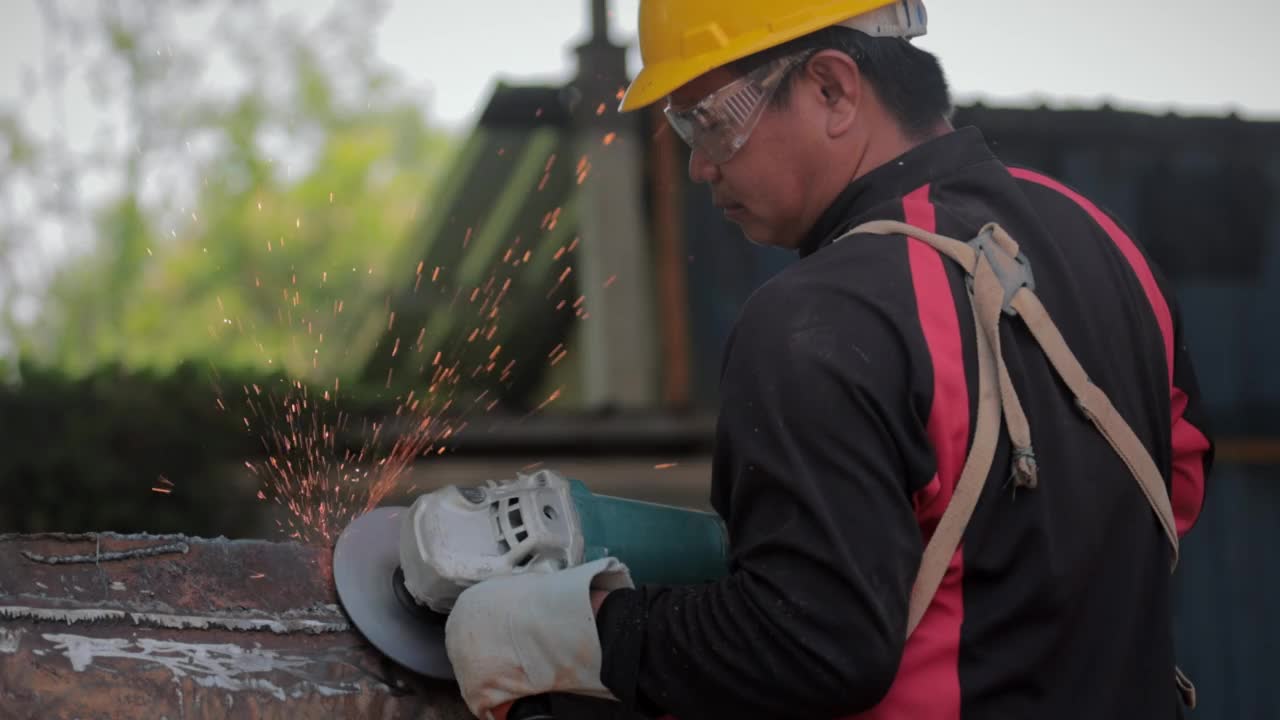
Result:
925,163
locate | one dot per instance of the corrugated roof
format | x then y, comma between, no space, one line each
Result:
502,235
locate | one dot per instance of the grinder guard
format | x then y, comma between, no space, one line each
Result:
455,537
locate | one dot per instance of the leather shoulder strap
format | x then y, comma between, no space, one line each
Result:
1000,282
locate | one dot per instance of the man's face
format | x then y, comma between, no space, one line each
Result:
763,187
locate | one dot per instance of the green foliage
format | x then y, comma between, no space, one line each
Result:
84,454
279,275
318,169
252,236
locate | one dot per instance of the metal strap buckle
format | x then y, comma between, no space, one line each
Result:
1013,272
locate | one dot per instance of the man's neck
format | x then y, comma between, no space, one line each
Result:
893,143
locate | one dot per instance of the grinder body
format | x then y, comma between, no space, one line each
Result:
455,537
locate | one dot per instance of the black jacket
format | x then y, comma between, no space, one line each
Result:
848,392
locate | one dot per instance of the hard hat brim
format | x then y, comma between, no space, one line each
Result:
658,81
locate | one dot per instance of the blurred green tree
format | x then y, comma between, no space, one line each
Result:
274,174
173,290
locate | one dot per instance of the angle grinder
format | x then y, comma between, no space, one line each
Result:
536,522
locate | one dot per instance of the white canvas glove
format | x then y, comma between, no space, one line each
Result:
515,636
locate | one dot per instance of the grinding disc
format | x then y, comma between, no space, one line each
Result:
366,570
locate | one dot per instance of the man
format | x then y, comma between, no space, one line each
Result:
851,403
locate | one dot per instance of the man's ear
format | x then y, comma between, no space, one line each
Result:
839,81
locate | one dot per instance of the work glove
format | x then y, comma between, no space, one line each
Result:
515,636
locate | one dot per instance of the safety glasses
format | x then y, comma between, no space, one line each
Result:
721,122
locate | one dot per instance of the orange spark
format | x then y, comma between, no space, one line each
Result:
552,398
162,491
665,466
600,110
609,282
610,137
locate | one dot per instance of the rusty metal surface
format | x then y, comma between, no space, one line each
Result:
121,626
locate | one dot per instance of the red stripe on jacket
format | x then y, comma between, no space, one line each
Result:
1188,442
928,680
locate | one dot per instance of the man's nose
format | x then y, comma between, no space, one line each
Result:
701,169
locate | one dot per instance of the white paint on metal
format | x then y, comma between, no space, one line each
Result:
278,625
10,640
223,666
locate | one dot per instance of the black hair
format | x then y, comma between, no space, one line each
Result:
908,80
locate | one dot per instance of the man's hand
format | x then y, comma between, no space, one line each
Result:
528,634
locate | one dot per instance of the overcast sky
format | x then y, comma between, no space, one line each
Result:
1147,54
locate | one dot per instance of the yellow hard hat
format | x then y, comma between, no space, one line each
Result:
682,39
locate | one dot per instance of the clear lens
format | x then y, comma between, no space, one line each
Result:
720,123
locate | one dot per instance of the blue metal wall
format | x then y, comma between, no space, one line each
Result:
1228,588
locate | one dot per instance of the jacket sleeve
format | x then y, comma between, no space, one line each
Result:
1192,448
815,443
